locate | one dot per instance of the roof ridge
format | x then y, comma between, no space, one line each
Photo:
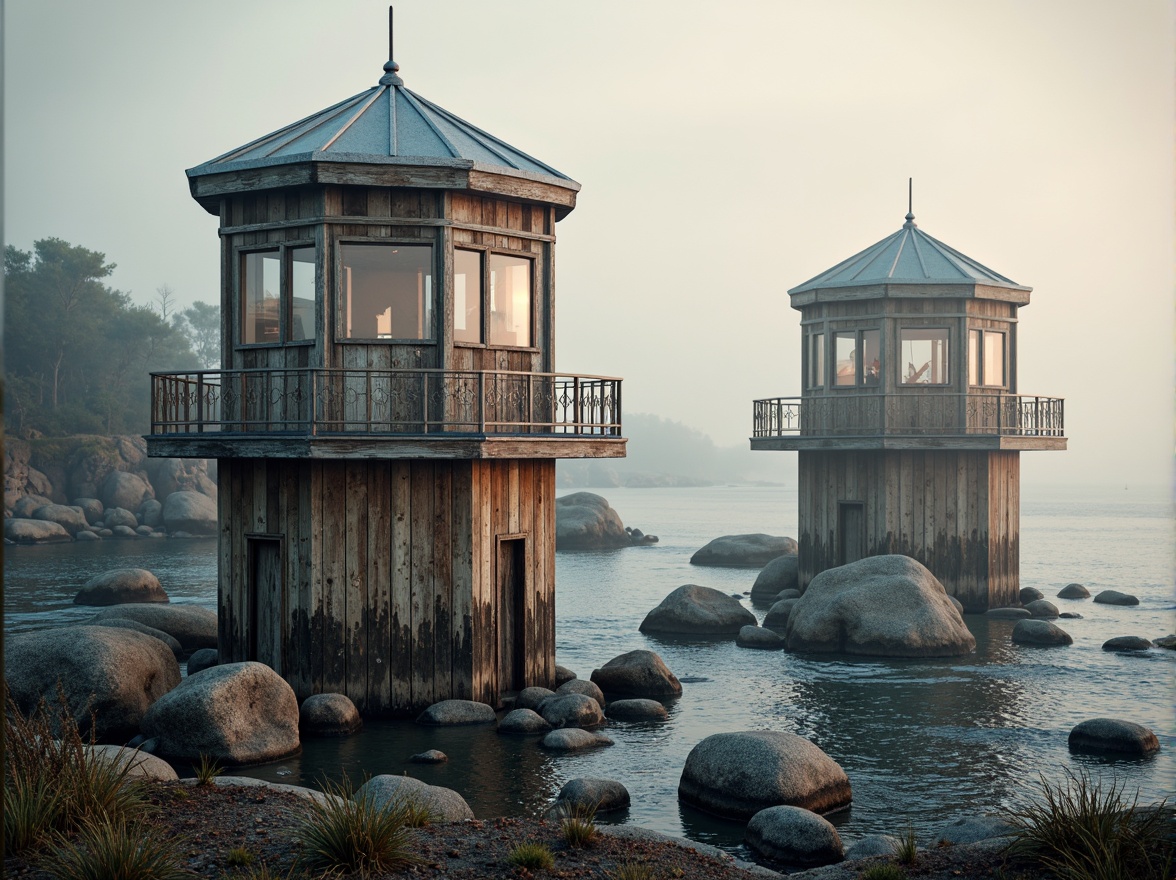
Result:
327,115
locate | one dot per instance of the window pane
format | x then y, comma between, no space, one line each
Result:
973,357
994,358
301,294
510,300
387,291
817,361
467,296
260,286
845,351
924,356
871,356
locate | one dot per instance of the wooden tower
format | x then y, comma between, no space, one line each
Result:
910,426
388,414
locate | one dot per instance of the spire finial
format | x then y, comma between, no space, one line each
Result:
910,217
390,67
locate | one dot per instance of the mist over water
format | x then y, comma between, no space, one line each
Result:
927,741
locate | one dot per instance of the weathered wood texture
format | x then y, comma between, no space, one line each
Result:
957,512
391,585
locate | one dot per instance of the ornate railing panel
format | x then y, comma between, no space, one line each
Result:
832,415
311,401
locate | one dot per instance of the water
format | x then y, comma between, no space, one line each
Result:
922,741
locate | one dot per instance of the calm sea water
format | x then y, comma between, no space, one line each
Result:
922,741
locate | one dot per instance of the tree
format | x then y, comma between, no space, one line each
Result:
201,324
164,296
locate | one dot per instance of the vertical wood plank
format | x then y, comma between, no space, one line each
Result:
355,605
378,621
402,621
334,576
462,569
423,673
443,580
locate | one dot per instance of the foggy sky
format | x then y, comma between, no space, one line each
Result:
727,152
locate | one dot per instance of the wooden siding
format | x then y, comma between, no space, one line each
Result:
390,586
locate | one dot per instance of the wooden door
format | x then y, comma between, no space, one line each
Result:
266,597
512,617
851,528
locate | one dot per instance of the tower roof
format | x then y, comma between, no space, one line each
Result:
909,256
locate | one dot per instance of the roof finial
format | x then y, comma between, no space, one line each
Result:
390,67
910,217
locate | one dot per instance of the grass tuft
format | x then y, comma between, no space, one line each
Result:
416,814
239,857
632,871
207,770
907,848
883,872
578,823
531,856
115,849
1080,829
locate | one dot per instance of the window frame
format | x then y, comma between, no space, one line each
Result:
285,292
981,357
341,338
485,253
860,375
947,334
815,369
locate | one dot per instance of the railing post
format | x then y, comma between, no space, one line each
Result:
200,403
481,401
576,428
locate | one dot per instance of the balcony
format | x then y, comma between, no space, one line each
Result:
384,413
913,420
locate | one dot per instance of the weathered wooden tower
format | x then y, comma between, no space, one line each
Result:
910,425
388,417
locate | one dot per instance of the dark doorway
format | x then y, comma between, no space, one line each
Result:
266,595
851,529
512,614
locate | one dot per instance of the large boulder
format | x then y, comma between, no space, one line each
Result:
744,551
1114,597
151,513
759,637
779,574
34,531
128,491
1030,594
328,715
636,709
571,710
579,686
795,836
531,697
92,508
574,739
238,713
1042,609
193,626
72,519
449,713
122,623
1114,737
123,585
24,506
168,475
1126,643
190,512
523,721
738,774
637,673
386,790
1041,633
881,606
115,673
589,793
114,517
584,521
1074,591
204,658
777,616
695,610
138,764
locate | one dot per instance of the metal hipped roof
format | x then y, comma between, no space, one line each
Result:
909,256
386,124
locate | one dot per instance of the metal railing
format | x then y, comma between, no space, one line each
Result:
333,402
911,414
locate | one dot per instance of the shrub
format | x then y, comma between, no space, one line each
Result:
578,823
907,848
632,871
113,849
531,856
416,814
354,835
1081,830
883,872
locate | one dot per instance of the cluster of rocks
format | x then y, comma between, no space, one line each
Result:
95,488
1035,614
584,521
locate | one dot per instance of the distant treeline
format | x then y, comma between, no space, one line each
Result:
77,353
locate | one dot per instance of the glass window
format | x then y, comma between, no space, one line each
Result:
973,357
387,291
994,358
301,326
871,359
817,360
923,356
858,357
467,296
510,300
260,289
845,353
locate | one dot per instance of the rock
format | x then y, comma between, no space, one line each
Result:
973,829
787,594
168,475
1114,597
1042,609
123,623
574,739
237,713
636,710
118,516
1111,736
1168,642
695,610
579,686
86,535
1030,594
959,606
125,490
740,551
105,533
449,713
777,616
571,710
123,585
141,765
758,637
34,531
151,513
191,512
205,658
328,715
23,509
584,521
1070,615
530,698
881,606
1073,591
72,519
1009,613
795,836
193,626
1040,632
563,675
309,794
124,532
91,509
588,793
524,721
445,804
637,673
738,774
125,671
872,845
1126,643
778,575
432,756
144,531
